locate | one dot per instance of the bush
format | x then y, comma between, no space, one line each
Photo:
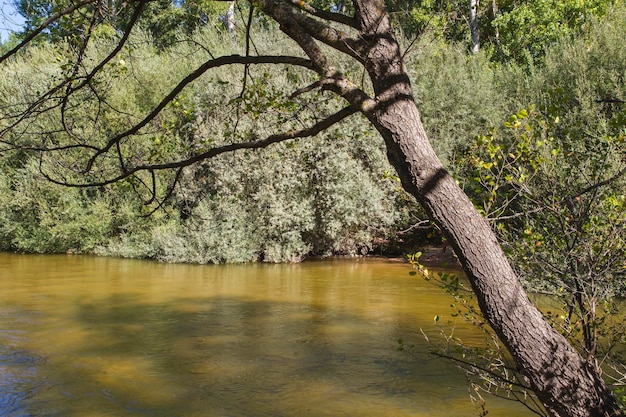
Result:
320,196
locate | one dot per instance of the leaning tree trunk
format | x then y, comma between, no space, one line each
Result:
564,382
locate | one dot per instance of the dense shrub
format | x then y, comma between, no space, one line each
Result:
320,196
459,95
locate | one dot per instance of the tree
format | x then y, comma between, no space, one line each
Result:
526,28
474,25
565,383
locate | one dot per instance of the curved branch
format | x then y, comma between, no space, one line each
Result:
213,152
168,193
214,63
43,27
133,20
600,184
324,14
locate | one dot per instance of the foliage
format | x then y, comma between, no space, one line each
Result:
323,196
511,31
444,18
348,204
525,29
459,95
566,204
564,158
38,217
165,20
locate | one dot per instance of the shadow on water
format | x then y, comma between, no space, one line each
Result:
19,380
200,345
228,356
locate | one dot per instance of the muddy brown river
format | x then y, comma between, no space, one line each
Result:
94,337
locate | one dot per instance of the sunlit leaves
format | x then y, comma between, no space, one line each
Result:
525,29
556,199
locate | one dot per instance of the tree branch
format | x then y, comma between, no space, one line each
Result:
324,14
133,20
329,35
43,27
284,15
213,152
214,63
484,369
600,184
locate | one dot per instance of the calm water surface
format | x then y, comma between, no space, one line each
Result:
91,337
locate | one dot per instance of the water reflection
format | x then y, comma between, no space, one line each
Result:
108,337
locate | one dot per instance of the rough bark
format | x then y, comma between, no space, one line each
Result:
564,382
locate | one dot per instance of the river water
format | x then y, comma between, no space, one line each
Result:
91,337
